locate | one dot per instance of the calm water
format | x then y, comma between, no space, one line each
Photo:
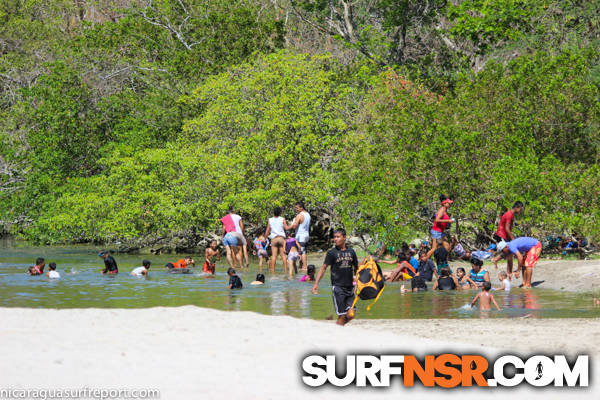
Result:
81,285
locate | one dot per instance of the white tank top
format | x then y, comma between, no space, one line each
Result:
302,232
276,224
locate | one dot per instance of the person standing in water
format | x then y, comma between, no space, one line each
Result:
302,226
232,222
110,265
442,219
343,263
276,228
527,250
505,233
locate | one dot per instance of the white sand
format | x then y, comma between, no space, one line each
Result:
189,352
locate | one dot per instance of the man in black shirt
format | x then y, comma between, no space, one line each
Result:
344,263
110,265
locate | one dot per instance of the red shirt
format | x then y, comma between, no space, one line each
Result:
441,226
506,220
180,264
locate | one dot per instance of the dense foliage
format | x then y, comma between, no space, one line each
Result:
122,120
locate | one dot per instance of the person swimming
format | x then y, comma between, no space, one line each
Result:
234,281
260,280
38,268
446,281
143,270
52,273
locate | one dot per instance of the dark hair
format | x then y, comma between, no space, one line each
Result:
146,263
300,204
443,198
476,261
445,271
52,266
260,278
461,269
310,269
340,230
401,257
39,260
230,271
277,211
213,241
230,209
422,253
518,204
188,258
261,231
487,285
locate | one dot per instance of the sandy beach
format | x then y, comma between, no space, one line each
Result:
189,352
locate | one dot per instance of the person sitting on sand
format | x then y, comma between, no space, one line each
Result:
261,244
485,298
210,254
53,273
38,268
234,281
446,281
110,265
143,270
402,270
181,263
478,275
260,280
459,250
463,280
505,283
310,274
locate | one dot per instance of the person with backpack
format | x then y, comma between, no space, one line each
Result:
344,264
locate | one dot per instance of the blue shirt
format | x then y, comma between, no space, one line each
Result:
414,262
521,244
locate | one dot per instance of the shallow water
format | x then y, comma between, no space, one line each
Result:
81,285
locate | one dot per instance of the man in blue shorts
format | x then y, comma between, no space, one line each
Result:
344,263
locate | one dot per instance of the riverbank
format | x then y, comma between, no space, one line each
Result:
189,351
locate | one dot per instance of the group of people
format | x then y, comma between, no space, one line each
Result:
277,236
422,265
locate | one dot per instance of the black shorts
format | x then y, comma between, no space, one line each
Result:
343,297
498,239
170,265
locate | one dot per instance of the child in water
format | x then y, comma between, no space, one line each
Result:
292,249
310,274
260,280
38,268
234,281
210,254
261,243
503,277
52,274
463,280
485,298
143,270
